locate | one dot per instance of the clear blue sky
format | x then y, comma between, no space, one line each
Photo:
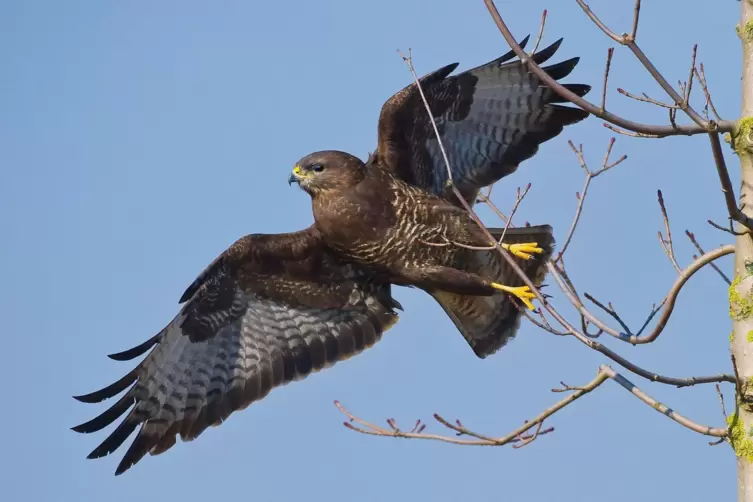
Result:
139,139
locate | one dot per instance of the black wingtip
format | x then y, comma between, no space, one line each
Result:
507,56
114,440
111,390
440,74
544,54
188,293
579,89
107,417
84,398
136,351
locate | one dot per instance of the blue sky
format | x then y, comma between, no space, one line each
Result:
139,139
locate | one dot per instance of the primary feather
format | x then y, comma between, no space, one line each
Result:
270,310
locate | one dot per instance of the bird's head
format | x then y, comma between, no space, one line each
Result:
327,171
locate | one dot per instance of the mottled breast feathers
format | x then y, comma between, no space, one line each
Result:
274,308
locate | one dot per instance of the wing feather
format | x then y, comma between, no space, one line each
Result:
490,119
270,310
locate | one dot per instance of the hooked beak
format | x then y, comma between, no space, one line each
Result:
295,176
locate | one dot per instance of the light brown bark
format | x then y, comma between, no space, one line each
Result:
741,299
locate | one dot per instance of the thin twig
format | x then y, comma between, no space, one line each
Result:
647,99
701,76
662,408
516,436
730,230
689,86
667,245
645,129
541,32
721,401
629,42
692,238
670,299
519,198
609,309
610,53
710,126
605,166
594,345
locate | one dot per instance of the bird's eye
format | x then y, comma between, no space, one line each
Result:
317,168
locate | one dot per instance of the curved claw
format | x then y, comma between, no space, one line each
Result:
524,293
523,249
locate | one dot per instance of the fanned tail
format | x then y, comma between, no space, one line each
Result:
489,322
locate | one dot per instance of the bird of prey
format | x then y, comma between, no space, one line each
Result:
273,308
397,215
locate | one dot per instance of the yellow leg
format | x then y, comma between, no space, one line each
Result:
522,292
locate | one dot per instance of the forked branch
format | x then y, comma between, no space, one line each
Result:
569,328
702,124
522,435
656,131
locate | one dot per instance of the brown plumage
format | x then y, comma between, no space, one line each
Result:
407,236
269,310
274,308
396,215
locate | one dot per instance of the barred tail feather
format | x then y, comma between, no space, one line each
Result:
489,322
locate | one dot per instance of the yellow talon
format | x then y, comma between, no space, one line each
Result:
522,292
523,249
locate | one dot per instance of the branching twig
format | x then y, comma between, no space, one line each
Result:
692,238
666,244
605,166
541,32
634,127
669,302
515,436
701,76
680,382
518,435
662,408
624,126
647,99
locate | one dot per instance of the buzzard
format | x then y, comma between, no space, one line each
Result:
397,215
273,308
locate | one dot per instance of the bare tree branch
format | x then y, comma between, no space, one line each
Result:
605,166
656,131
669,302
662,408
583,338
518,435
624,126
541,33
481,440
692,238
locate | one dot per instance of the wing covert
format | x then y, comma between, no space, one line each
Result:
490,119
269,310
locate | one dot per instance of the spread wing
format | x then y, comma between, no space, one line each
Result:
269,310
490,119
